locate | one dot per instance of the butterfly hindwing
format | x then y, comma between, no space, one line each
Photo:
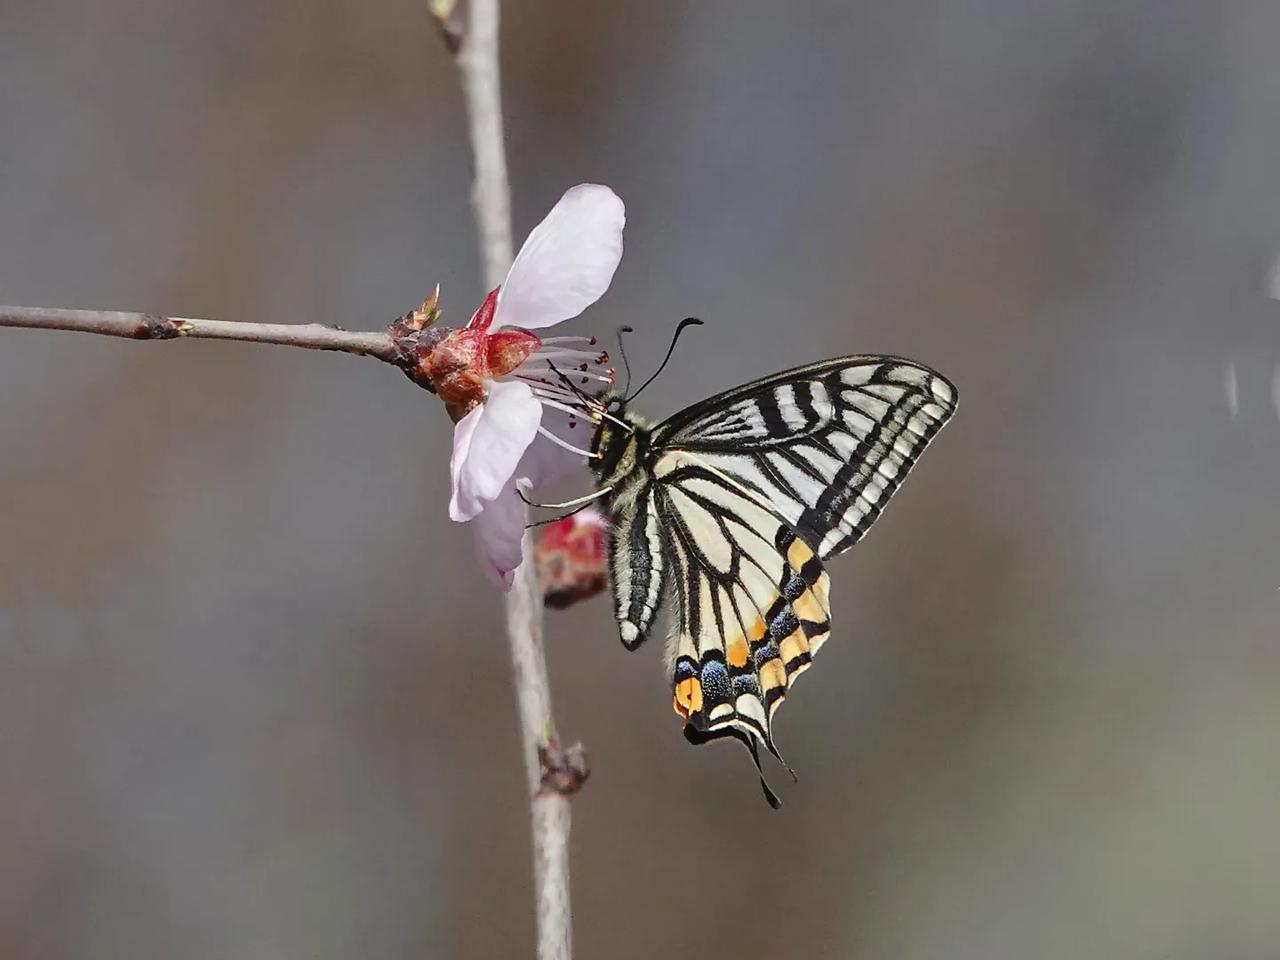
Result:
751,600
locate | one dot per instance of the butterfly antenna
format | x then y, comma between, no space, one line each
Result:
686,322
626,364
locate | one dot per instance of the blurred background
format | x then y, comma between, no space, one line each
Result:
254,697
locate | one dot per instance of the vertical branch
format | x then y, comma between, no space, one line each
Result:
537,730
481,85
491,195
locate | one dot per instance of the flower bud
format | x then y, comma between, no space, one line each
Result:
569,556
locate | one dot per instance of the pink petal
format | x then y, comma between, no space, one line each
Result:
499,527
567,262
499,530
488,444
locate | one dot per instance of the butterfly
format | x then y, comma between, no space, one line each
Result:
728,510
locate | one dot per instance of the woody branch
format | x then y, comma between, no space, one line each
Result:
382,345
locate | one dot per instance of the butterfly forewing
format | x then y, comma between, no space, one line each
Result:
827,445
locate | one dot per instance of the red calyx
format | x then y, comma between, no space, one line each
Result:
460,362
508,349
481,319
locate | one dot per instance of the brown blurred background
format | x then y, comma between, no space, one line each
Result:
255,701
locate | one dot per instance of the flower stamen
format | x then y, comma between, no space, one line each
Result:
583,375
580,411
591,340
568,446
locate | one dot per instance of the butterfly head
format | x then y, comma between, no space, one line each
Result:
615,404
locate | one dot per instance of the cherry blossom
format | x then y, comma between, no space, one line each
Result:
513,394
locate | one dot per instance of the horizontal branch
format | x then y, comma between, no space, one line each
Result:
144,326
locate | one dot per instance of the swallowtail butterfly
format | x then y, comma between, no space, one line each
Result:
729,508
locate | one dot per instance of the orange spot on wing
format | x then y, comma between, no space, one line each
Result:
773,674
736,652
688,698
798,554
793,646
807,607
